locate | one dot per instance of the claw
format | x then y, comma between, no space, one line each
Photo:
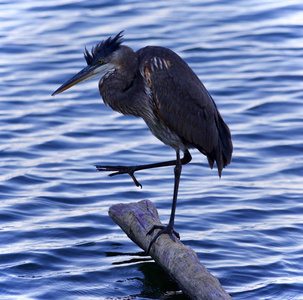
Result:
164,229
137,183
120,170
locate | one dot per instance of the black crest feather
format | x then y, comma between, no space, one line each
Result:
103,49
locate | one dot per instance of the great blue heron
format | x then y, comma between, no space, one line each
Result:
154,83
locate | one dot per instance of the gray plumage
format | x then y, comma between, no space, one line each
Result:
157,85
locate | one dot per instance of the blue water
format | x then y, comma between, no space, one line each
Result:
56,238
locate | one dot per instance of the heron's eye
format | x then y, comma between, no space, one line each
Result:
101,61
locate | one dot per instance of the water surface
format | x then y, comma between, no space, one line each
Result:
57,240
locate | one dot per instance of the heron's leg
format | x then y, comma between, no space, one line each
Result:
130,170
169,229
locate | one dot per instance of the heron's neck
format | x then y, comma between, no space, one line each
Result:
122,88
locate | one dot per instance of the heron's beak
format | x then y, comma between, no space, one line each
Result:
87,73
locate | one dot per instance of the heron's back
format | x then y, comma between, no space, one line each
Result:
181,102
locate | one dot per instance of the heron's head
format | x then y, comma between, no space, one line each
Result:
99,61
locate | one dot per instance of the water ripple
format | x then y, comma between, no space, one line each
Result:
57,241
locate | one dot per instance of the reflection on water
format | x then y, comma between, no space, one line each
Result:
57,240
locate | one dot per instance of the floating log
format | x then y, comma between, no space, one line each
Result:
179,261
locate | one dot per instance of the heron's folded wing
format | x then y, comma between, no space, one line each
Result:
182,102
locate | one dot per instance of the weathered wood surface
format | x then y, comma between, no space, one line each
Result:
179,261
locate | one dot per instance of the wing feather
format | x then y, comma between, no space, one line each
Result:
184,105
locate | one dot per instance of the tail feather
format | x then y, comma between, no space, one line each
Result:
222,152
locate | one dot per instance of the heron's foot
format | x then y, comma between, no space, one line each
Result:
130,170
164,229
